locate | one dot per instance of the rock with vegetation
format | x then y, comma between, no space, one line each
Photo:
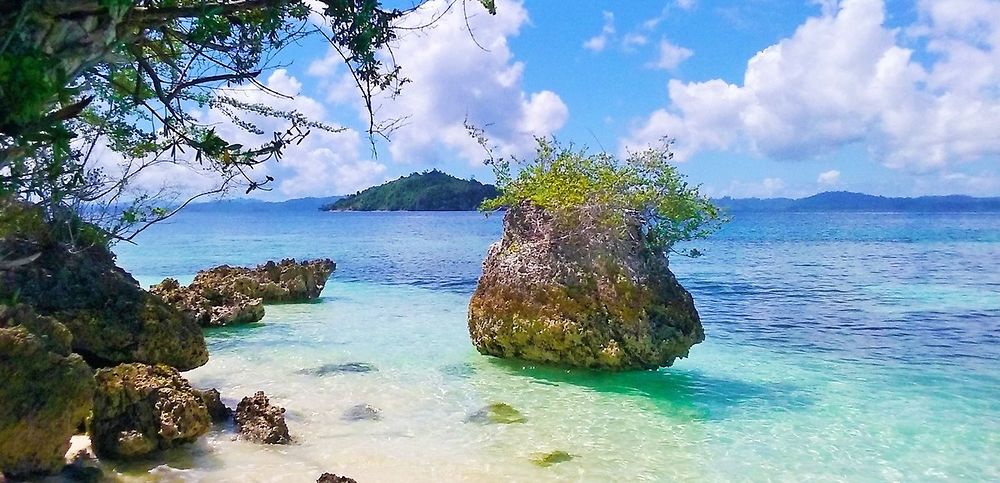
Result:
258,421
46,392
140,409
209,307
285,281
552,458
72,277
428,191
497,413
580,276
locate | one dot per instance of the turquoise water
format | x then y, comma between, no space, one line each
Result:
841,347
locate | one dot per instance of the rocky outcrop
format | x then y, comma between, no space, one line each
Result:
139,409
259,421
286,281
209,307
76,282
218,411
45,392
570,291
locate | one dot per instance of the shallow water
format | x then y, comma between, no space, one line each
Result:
841,347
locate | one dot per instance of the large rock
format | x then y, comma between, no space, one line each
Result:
75,280
259,421
139,409
209,307
286,281
45,392
563,290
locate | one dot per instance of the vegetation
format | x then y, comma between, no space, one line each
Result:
427,191
644,188
127,74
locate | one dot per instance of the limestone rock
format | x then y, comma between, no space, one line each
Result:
45,393
497,413
286,281
218,411
221,309
362,412
76,282
139,409
259,421
575,293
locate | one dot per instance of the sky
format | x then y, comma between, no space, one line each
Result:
763,98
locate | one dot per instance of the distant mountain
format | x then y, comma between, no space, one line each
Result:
247,204
847,201
427,191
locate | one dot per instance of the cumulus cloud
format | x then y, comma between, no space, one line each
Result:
599,42
454,76
844,78
670,55
830,177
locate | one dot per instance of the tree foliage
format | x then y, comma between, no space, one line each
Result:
128,74
644,188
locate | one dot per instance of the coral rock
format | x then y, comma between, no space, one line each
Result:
218,411
260,422
575,293
140,409
286,281
208,307
332,478
45,394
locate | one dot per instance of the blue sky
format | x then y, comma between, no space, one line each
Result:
764,97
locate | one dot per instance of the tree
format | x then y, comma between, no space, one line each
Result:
605,191
128,72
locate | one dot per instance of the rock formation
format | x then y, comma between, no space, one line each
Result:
286,281
209,307
45,393
566,291
334,478
260,422
76,282
139,409
218,411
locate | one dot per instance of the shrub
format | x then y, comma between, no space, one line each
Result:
644,188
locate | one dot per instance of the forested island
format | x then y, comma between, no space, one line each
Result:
848,201
428,191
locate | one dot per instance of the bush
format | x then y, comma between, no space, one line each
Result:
644,188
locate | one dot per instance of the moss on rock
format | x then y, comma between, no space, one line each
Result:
565,292
45,395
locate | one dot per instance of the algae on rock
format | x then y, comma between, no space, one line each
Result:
564,291
45,395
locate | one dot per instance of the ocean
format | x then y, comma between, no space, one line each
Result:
840,347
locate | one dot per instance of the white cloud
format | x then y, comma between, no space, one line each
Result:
670,55
633,40
686,4
843,78
454,76
765,188
599,42
830,177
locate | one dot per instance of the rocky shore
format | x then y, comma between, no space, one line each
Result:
82,345
568,291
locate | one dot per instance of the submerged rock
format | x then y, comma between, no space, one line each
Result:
332,478
326,369
218,411
209,307
362,412
45,393
76,282
575,293
139,409
497,413
549,459
259,421
285,281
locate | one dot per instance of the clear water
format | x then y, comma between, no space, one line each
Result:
841,347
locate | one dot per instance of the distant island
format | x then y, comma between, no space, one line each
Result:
428,191
847,201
